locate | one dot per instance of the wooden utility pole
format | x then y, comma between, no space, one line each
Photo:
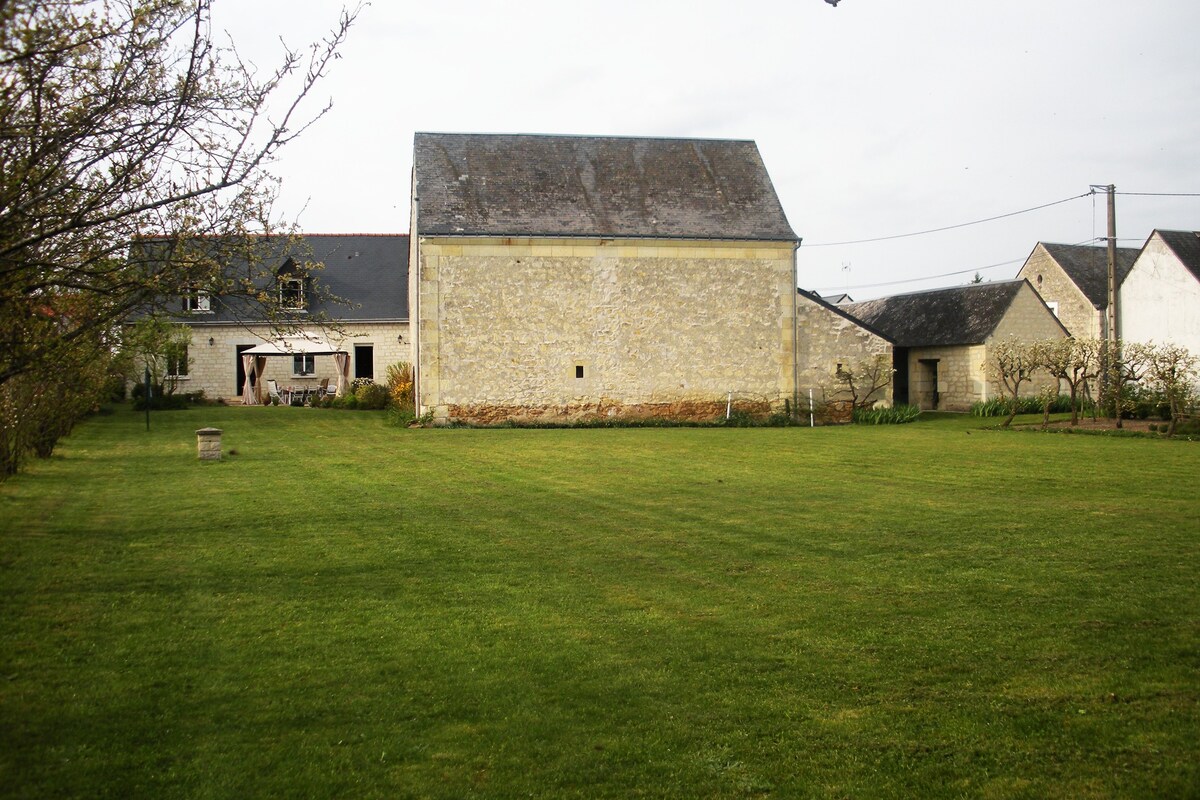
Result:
1112,266
1113,367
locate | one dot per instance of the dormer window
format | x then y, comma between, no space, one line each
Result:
291,294
292,286
196,301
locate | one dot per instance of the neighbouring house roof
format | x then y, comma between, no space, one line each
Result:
1185,245
841,311
1087,267
941,317
369,271
594,186
836,299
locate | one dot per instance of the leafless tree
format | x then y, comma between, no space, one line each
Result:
864,380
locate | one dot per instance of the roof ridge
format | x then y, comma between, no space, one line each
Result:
622,136
945,289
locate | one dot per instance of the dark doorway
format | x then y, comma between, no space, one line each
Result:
364,361
241,372
928,386
900,376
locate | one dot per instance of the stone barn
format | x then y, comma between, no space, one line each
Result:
569,277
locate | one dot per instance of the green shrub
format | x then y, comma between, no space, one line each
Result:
371,397
1186,427
161,401
1001,406
895,415
739,418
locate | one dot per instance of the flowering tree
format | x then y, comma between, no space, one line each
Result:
1012,365
1172,371
1075,362
124,120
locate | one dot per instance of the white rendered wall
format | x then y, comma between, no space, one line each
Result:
1160,300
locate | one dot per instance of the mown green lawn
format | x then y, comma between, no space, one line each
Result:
345,608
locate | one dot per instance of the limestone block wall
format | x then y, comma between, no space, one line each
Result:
1075,311
959,377
573,328
827,339
213,367
1028,320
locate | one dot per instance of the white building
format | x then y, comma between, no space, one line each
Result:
1159,300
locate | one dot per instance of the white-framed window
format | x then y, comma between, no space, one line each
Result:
177,362
304,365
291,293
196,301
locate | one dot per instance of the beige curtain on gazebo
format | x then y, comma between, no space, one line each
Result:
342,362
248,398
260,366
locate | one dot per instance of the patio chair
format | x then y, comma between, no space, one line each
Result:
273,391
324,390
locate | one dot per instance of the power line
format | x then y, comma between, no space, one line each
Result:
925,277
950,227
1161,194
935,277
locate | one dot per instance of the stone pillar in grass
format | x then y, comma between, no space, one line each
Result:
208,444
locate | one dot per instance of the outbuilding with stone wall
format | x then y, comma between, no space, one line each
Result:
944,338
832,341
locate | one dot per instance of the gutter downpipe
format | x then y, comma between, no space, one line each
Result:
796,328
414,293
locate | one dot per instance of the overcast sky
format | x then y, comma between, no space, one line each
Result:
875,117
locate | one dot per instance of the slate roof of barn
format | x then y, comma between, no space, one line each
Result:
594,186
961,315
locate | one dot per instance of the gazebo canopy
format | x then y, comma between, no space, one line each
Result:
294,345
254,359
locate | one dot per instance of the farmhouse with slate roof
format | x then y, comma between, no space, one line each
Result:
567,277
943,338
1159,299
360,280
1073,280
